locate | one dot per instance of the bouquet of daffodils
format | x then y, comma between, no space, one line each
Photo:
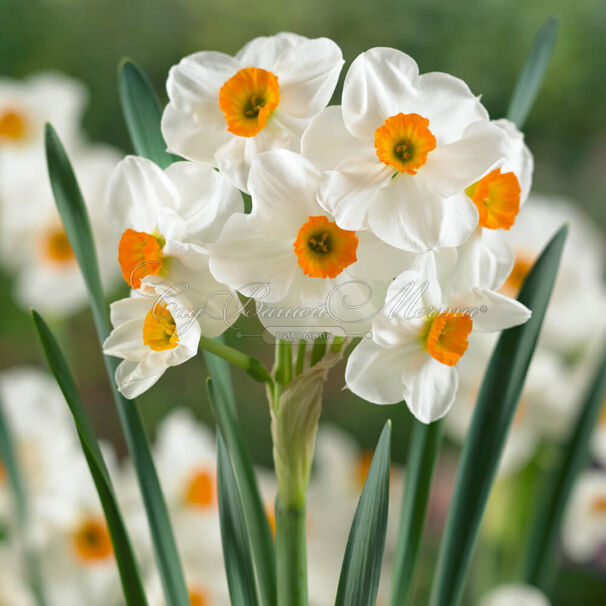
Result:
376,230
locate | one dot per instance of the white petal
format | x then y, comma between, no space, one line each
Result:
185,137
126,341
451,168
137,192
349,192
327,143
132,308
379,84
132,382
430,387
265,51
307,74
374,373
377,260
492,311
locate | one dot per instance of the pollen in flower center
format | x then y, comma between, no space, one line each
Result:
323,249
247,100
91,541
446,337
140,255
13,126
497,198
404,141
160,329
56,247
200,492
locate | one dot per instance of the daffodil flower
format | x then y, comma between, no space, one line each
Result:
226,110
153,330
422,334
294,247
168,219
401,150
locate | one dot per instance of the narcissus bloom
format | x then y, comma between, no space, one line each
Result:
401,150
226,110
167,220
422,334
289,250
152,330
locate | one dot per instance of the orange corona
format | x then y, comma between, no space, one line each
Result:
446,338
140,255
200,492
160,329
12,126
497,198
247,100
91,541
56,247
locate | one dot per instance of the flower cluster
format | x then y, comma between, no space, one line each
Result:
382,218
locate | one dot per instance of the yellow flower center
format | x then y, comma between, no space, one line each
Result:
13,126
198,597
323,249
140,255
446,337
56,247
521,267
200,491
598,505
91,541
404,141
160,329
497,198
247,99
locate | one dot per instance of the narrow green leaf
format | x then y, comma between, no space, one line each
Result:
125,557
493,414
236,546
9,460
361,569
422,454
143,114
77,227
532,74
557,487
259,533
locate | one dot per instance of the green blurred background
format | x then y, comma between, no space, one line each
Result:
483,42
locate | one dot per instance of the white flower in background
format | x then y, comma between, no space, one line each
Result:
168,219
423,332
25,106
13,588
515,595
225,110
584,531
575,313
545,411
34,244
401,150
290,252
498,197
153,329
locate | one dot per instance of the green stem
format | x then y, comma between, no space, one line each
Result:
422,455
337,344
301,349
318,350
291,554
252,366
287,362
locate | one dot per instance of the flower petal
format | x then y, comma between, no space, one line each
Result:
126,340
132,382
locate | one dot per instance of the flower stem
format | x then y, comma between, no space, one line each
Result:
291,554
301,348
252,366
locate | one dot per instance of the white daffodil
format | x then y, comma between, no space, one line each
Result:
225,110
498,197
574,316
290,253
34,245
153,329
584,532
515,595
423,332
401,150
544,412
168,219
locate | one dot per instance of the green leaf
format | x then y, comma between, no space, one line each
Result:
492,418
532,74
361,569
143,114
557,487
236,546
259,533
422,454
77,227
